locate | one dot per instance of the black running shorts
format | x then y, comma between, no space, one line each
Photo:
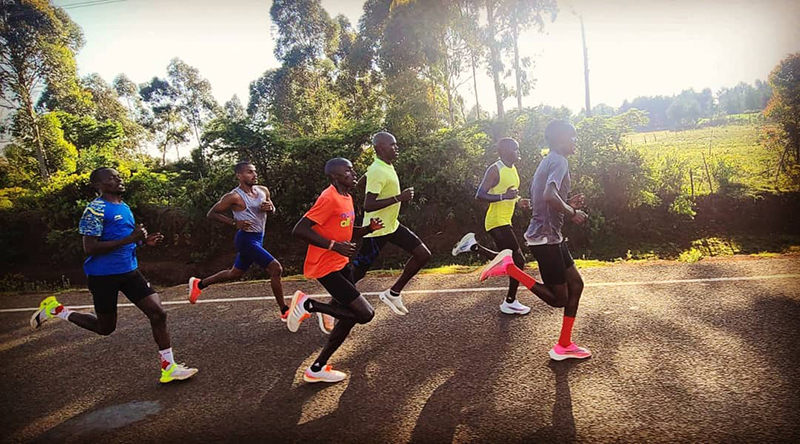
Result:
105,289
340,285
371,246
505,239
554,260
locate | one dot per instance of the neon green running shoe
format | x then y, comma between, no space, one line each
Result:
176,372
45,312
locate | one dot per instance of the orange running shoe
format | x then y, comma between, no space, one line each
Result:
194,290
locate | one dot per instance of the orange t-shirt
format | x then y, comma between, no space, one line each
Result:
334,217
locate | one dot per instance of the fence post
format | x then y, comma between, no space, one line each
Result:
691,181
708,175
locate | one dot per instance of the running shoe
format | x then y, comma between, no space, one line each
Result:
176,372
297,311
194,290
559,353
514,308
46,311
394,302
498,265
326,322
285,315
465,244
326,374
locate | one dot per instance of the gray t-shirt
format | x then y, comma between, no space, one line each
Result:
546,222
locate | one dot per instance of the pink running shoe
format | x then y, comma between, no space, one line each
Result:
559,353
498,265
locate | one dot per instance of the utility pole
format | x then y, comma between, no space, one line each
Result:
586,69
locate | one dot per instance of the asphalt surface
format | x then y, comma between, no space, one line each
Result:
709,361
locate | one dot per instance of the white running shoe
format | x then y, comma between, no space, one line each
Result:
465,244
326,322
394,302
514,308
326,374
297,311
176,372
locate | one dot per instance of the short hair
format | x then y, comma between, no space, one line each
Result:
336,162
502,142
378,136
240,166
554,128
97,175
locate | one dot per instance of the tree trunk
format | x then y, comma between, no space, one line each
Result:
41,155
515,31
494,55
450,110
475,87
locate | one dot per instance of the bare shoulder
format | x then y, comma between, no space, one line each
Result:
264,189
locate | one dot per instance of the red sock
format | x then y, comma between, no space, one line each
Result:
514,272
566,332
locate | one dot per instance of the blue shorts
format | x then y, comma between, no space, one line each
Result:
250,250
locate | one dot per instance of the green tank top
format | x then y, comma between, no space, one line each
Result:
500,213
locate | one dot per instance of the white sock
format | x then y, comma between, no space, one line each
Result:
166,356
64,313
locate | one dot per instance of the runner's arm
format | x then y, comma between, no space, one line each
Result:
490,180
302,230
93,246
553,199
219,212
267,199
374,224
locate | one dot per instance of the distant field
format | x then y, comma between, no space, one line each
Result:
738,146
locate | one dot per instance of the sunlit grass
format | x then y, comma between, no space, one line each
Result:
740,145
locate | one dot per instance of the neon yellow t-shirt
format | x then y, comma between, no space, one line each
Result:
500,213
382,180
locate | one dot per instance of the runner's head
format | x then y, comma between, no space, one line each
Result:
385,146
508,150
341,172
107,181
561,137
246,173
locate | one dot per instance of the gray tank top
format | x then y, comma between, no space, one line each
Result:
252,211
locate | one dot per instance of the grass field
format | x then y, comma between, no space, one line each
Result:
735,151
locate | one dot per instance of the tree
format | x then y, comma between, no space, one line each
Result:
685,109
495,63
784,107
164,117
37,48
193,96
521,15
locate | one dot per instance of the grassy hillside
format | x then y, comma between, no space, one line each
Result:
735,154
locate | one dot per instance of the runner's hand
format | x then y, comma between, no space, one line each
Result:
579,217
510,194
139,233
244,225
406,195
525,203
576,201
152,239
267,206
375,224
347,249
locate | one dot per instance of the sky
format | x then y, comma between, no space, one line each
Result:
635,47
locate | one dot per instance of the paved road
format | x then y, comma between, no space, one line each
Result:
712,361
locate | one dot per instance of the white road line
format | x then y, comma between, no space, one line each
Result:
455,290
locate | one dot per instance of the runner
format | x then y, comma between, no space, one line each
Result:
110,238
328,229
500,188
249,204
382,201
563,284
